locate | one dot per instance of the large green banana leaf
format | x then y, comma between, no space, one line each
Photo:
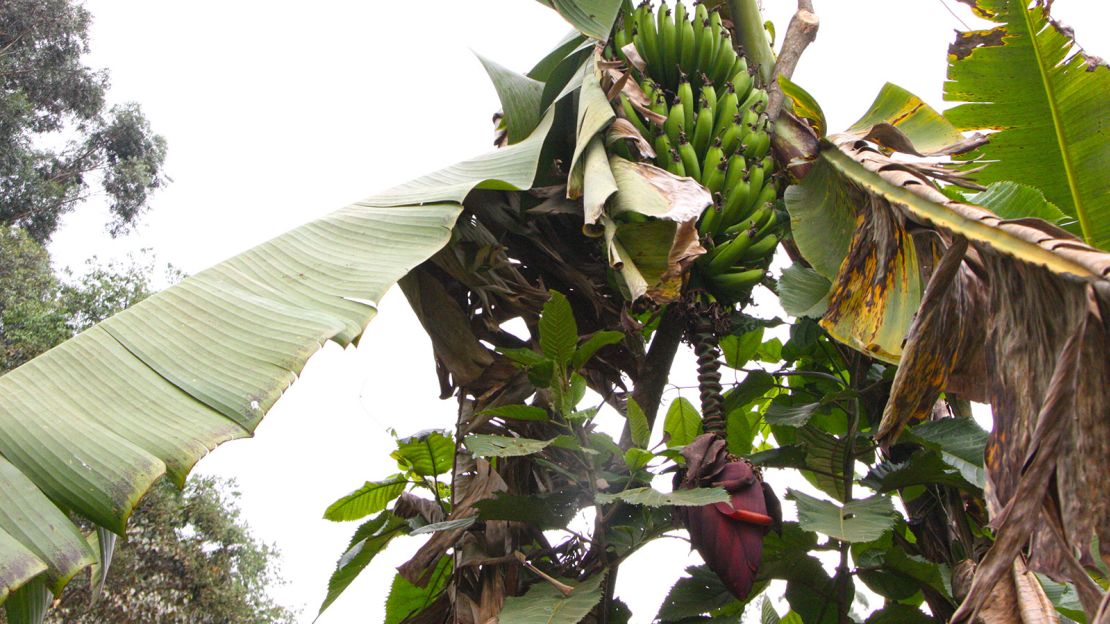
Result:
88,426
1049,104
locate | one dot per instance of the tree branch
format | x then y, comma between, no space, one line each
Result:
648,392
801,32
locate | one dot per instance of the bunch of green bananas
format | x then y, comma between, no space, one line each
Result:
715,131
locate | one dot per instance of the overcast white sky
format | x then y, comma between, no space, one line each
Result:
279,112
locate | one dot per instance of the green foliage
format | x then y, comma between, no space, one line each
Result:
861,520
187,557
654,498
544,604
682,423
425,454
406,600
368,499
369,540
49,93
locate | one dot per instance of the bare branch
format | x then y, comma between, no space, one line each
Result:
801,32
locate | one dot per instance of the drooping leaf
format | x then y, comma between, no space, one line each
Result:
637,458
637,424
594,115
682,423
17,564
427,453
29,603
503,446
1047,101
803,291
544,604
648,190
558,329
106,548
94,422
543,69
520,99
407,600
861,520
650,497
518,412
368,499
369,540
822,219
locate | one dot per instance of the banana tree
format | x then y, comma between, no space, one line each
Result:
635,176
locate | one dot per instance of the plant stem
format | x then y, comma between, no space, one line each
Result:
748,33
656,370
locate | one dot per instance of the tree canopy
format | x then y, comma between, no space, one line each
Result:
58,134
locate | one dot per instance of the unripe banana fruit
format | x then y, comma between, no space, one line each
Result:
715,131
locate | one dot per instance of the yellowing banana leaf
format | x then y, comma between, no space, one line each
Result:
88,426
1016,313
927,130
1049,103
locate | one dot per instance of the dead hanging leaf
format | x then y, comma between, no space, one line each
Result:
1022,319
652,256
623,130
598,182
654,192
481,485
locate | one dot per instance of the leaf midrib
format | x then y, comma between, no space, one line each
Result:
1057,122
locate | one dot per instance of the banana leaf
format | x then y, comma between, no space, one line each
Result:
1015,313
1048,102
87,427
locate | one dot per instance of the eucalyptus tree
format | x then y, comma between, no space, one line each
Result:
920,280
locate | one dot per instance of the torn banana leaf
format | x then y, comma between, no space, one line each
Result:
1016,313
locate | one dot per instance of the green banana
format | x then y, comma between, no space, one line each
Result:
686,98
761,247
668,43
714,159
689,157
737,283
709,95
726,111
703,129
676,122
632,116
723,256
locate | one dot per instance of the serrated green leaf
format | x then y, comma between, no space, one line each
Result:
517,412
924,467
861,520
428,453
407,600
960,437
650,497
558,329
368,499
593,343
739,350
369,540
768,615
520,99
682,424
503,446
524,357
544,604
895,613
637,458
803,291
638,427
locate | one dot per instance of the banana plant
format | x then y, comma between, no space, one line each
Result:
645,173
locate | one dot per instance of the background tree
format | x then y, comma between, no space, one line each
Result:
56,131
